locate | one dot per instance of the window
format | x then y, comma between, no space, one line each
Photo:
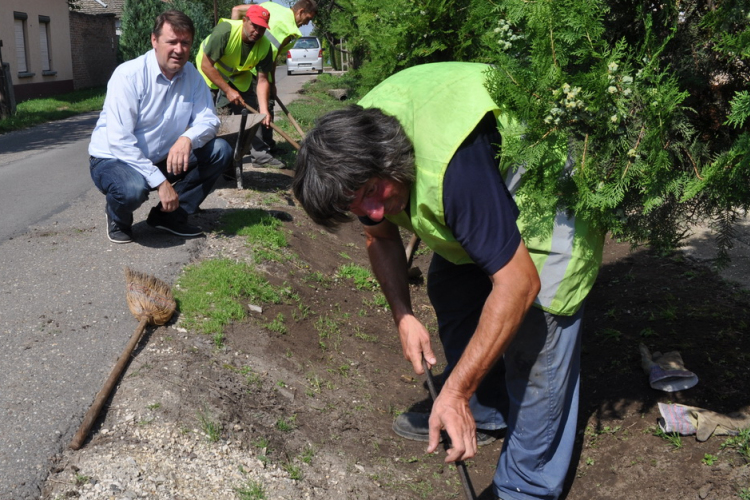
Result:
44,45
21,58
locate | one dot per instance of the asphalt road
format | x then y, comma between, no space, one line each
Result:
63,315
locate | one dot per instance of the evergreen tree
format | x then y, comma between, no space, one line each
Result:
138,18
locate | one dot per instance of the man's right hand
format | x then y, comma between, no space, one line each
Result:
234,97
170,200
415,342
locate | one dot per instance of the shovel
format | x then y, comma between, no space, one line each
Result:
463,474
151,302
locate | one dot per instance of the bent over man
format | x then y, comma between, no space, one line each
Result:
283,30
157,131
227,59
509,308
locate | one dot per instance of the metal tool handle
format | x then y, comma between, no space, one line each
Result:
463,474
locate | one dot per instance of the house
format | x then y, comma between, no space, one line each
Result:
48,49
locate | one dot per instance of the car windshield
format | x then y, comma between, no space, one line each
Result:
306,43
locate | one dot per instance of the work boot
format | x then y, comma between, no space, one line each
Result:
117,234
172,222
415,426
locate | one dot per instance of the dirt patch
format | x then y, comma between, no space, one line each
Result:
321,395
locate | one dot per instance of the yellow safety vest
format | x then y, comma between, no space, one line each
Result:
566,251
239,73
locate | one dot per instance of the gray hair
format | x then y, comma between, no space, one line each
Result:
347,148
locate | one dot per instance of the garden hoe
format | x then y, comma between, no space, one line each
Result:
276,128
290,117
151,302
463,474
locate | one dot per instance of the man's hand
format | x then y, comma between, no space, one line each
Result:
169,198
415,341
451,412
179,156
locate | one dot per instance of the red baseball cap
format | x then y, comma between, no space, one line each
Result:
258,15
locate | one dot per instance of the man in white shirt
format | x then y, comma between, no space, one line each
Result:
157,132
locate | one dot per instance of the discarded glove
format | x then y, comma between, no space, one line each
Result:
688,420
666,372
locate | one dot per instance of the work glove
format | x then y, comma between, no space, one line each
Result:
666,372
688,420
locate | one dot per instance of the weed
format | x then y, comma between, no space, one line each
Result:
672,438
218,339
154,406
740,442
363,278
709,459
261,443
307,454
744,494
610,334
648,332
287,425
210,428
589,461
252,490
344,255
317,278
380,301
327,328
315,383
80,479
302,312
277,325
295,473
358,333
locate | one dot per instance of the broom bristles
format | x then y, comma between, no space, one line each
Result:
149,297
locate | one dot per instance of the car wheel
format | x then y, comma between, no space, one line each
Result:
320,71
288,73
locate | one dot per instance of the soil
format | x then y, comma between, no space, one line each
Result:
338,377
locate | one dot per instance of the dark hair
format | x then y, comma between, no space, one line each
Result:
347,148
310,6
179,21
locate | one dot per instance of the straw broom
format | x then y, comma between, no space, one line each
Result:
151,302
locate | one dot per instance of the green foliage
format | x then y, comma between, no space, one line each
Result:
362,277
647,102
138,18
262,231
213,293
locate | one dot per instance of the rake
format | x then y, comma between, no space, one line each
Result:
151,302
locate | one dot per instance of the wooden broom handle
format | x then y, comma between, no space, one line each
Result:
103,395
276,128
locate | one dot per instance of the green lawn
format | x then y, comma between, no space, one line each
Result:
36,111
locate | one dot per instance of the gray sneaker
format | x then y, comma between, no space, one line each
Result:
268,163
117,234
415,426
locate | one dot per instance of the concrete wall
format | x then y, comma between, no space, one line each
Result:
94,45
35,82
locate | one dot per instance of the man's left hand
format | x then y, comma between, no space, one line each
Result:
451,412
179,156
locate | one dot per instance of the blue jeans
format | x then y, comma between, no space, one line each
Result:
126,189
532,390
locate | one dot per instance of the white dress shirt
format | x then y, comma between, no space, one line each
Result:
145,113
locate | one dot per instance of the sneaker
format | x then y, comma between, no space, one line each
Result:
270,163
415,426
173,224
116,234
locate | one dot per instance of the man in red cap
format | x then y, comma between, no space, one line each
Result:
227,56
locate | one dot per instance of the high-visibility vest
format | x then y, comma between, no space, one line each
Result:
439,105
231,68
281,25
